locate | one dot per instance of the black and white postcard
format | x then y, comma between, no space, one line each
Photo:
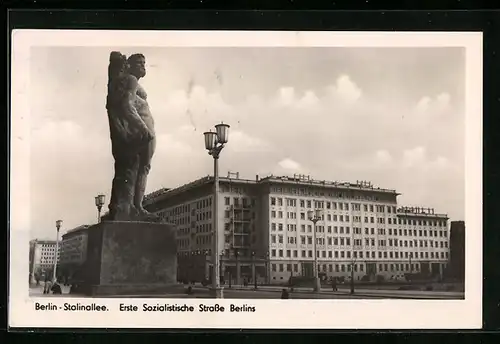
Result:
230,179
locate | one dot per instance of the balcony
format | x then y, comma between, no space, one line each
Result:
241,219
241,206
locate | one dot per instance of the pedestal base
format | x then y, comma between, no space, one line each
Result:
217,293
127,258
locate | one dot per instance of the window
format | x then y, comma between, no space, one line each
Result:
227,200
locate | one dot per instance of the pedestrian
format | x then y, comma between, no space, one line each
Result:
285,294
334,284
56,289
47,287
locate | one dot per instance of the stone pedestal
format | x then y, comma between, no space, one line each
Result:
130,258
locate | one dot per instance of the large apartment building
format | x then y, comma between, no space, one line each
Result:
265,232
42,256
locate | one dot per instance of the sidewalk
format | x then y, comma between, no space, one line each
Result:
405,294
38,291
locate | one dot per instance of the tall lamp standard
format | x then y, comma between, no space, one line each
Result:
315,216
99,202
214,143
58,227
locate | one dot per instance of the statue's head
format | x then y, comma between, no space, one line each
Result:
137,65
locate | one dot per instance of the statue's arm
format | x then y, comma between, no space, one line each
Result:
128,100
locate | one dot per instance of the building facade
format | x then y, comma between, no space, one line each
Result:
265,232
42,257
456,269
73,250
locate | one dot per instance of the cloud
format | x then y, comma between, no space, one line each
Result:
286,96
308,100
414,157
289,164
244,143
346,89
433,106
423,104
383,157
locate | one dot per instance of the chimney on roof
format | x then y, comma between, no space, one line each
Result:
256,177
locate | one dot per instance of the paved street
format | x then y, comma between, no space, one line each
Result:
274,292
38,291
267,294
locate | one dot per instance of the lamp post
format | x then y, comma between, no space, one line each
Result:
58,227
99,202
353,262
214,143
254,273
268,269
352,276
236,254
315,216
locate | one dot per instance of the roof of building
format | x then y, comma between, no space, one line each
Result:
43,242
420,212
300,180
75,230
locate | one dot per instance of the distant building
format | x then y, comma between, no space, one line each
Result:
265,231
73,250
457,251
42,257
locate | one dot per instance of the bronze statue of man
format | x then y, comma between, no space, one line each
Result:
132,136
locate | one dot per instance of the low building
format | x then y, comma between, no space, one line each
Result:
456,270
73,250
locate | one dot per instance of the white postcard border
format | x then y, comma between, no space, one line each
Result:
321,314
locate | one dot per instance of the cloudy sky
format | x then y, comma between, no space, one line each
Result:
392,116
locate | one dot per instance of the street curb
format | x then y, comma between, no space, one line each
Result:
369,295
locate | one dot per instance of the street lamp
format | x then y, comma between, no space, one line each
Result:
214,143
99,202
58,227
315,216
